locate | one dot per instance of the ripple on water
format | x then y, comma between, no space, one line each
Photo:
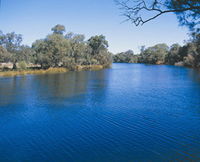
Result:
127,113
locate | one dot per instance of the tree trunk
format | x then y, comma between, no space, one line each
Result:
14,66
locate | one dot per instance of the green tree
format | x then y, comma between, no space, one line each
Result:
173,55
155,54
55,50
99,50
78,47
192,49
125,57
98,43
12,43
51,50
26,54
41,54
4,55
58,29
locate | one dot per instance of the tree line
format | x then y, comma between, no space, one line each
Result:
142,11
187,55
56,50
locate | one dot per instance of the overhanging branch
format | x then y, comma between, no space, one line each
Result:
132,12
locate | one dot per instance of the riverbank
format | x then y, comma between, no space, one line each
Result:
50,70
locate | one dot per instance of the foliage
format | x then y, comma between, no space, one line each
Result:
126,57
4,55
155,54
187,55
98,44
187,12
12,43
56,50
58,29
22,65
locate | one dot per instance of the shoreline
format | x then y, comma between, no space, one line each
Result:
12,73
177,65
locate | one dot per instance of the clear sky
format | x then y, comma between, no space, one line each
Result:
34,19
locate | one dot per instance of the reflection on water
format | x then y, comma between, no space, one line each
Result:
132,112
53,86
195,75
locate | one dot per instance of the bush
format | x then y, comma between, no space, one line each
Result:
69,63
22,65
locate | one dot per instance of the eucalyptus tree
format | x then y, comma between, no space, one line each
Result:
155,54
78,46
125,57
173,55
26,54
55,50
51,50
99,47
12,43
4,55
97,44
58,29
192,49
41,54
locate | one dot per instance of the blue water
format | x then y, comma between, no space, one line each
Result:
131,112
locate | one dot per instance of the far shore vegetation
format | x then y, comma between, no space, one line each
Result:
187,55
188,14
58,52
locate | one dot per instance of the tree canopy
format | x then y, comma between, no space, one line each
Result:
58,29
187,55
55,50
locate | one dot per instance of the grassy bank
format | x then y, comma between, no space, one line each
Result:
41,71
50,70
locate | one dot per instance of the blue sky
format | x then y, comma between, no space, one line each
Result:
34,19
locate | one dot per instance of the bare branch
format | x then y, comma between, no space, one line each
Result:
133,8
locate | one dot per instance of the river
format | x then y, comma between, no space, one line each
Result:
131,112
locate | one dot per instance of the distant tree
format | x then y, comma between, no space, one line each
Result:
125,57
187,11
99,50
51,50
58,29
155,54
4,55
173,55
26,54
41,55
192,49
12,43
55,50
77,44
2,38
142,49
104,58
98,43
69,35
129,52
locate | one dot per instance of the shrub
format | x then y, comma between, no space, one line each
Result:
22,65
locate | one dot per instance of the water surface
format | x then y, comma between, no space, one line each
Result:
132,112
